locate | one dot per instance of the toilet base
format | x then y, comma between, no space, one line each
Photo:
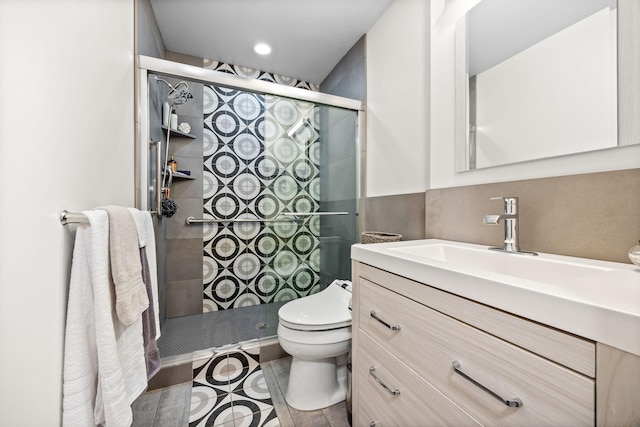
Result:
317,384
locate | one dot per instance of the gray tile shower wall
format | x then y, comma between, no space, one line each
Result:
589,215
183,293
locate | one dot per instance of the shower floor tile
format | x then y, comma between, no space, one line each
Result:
188,334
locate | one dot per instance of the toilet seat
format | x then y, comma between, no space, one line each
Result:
309,337
326,310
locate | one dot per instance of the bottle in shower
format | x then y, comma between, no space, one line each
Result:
172,164
174,121
166,114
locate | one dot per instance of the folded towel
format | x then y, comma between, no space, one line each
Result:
131,294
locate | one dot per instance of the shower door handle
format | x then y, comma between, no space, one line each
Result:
303,214
192,221
158,183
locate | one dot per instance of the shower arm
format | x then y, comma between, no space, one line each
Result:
171,87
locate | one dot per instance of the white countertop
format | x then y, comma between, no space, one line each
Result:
601,305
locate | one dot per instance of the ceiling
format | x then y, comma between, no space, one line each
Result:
499,29
308,37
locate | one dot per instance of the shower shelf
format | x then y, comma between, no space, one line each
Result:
179,175
178,133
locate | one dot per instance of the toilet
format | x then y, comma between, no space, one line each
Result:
316,332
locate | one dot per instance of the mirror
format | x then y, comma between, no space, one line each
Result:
538,79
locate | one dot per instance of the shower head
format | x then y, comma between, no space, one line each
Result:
177,97
181,97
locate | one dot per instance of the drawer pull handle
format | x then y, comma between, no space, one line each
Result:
375,377
392,327
514,403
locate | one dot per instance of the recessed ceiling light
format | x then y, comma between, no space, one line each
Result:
262,49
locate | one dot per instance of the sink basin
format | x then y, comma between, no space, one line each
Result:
537,268
598,300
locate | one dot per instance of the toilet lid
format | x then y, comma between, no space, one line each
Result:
327,309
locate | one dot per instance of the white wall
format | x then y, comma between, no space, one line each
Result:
66,142
444,15
397,58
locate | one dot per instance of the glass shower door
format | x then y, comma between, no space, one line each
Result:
273,168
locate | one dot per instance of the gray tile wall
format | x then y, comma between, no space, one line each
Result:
400,213
589,215
183,294
348,78
340,156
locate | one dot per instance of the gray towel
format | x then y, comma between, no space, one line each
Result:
126,270
151,353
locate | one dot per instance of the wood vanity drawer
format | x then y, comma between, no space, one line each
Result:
417,404
566,349
429,342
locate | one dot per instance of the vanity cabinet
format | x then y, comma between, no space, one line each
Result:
422,356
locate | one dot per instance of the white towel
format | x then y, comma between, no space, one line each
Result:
80,353
104,366
147,240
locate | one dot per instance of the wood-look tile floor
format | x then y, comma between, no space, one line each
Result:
232,389
276,374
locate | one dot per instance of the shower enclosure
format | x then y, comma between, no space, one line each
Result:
267,191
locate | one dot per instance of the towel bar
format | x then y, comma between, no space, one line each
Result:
67,217
192,221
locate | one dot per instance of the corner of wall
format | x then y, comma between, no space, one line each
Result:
147,33
397,100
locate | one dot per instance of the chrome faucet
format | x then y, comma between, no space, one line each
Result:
510,218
